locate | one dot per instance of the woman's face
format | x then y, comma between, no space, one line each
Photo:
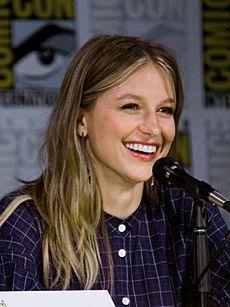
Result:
131,126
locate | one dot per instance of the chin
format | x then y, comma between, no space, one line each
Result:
141,179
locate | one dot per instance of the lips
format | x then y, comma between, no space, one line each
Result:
142,148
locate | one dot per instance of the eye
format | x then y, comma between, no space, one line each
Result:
167,110
130,106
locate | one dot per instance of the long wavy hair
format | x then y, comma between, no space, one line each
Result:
67,194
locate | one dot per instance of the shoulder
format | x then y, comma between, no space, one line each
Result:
175,201
23,228
179,209
20,246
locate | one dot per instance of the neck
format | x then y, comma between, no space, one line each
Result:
122,202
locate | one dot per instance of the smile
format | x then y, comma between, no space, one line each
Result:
149,149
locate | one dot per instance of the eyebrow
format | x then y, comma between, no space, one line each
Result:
136,97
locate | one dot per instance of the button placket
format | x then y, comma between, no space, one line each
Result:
122,251
122,236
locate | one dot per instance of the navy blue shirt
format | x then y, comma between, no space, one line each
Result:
151,253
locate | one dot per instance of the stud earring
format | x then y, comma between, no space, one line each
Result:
152,181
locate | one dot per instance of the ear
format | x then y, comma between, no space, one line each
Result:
82,124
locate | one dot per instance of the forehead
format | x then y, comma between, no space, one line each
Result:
146,79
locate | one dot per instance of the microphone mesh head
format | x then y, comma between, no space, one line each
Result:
160,168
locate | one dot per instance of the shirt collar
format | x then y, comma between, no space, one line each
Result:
139,215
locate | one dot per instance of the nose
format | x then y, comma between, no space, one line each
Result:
150,124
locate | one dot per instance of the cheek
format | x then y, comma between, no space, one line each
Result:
100,134
173,131
169,137
170,132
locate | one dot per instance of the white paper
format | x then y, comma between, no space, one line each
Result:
87,298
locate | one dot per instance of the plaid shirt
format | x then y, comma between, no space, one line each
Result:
151,253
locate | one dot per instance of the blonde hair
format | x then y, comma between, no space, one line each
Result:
67,194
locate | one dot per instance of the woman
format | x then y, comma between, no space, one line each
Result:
98,220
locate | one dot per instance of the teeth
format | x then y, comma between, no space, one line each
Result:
142,148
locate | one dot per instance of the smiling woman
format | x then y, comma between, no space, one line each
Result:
94,219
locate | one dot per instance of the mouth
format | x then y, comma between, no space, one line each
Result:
141,148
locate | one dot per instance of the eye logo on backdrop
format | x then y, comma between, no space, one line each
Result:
39,60
37,40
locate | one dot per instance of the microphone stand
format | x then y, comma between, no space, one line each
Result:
201,253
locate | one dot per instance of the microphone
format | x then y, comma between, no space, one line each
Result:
168,170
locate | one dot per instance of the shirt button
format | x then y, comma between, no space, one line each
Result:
125,301
121,227
122,252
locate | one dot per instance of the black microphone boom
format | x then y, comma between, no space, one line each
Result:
168,170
